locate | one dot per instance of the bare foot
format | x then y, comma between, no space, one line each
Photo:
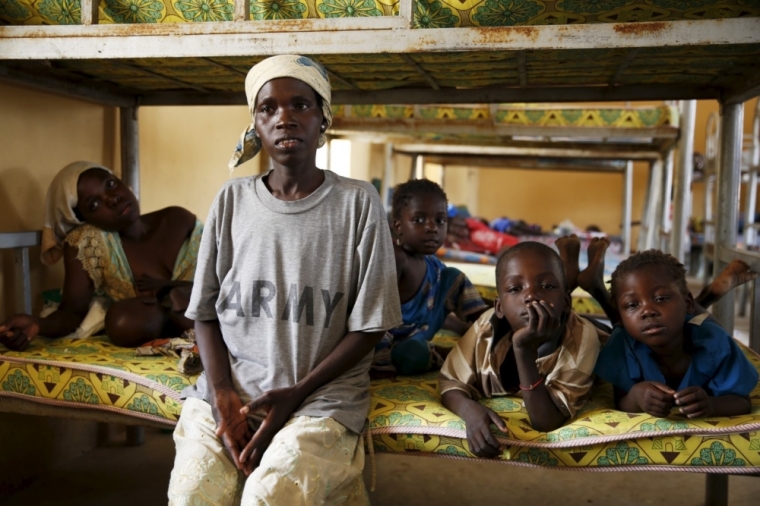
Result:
591,278
569,248
735,274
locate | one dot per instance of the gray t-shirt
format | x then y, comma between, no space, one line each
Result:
288,280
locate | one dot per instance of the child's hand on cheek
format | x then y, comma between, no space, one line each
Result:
653,398
694,402
543,325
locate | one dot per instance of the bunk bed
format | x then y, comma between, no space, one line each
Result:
549,137
139,53
572,138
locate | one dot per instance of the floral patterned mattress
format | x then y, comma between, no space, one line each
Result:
427,13
94,374
406,415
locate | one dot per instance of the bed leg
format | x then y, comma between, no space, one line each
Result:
716,490
103,435
135,435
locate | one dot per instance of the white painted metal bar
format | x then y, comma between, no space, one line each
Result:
89,12
496,94
750,232
406,12
19,239
627,206
558,152
731,121
656,205
413,166
664,221
315,36
683,177
242,10
487,127
388,182
531,163
21,242
754,317
328,152
646,216
130,149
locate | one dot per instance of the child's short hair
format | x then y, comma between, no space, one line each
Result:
529,246
669,264
405,192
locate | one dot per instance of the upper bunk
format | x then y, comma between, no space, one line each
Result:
172,52
489,134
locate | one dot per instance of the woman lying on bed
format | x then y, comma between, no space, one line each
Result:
142,264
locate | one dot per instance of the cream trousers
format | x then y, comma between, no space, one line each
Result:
311,461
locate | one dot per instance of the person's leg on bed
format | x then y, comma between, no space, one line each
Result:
569,248
591,278
132,322
734,275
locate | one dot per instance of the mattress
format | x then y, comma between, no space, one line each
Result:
427,13
406,415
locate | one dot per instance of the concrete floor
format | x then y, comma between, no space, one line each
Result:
121,476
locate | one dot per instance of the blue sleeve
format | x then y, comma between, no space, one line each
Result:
612,364
734,373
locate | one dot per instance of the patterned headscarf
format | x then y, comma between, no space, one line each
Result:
297,67
60,202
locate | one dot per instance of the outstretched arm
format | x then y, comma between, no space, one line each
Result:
279,404
18,331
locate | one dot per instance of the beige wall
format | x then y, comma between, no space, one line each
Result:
39,134
184,153
548,197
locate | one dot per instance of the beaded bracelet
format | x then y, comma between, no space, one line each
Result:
534,385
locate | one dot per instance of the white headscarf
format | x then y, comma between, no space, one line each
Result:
60,202
297,67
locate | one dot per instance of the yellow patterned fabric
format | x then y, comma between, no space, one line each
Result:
406,416
427,13
517,115
94,374
103,257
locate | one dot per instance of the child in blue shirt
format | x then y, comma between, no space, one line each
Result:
429,291
667,351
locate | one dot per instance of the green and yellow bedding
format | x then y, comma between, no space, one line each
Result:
427,13
94,374
406,415
522,115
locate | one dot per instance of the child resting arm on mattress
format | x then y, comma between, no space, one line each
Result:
142,263
531,342
668,352
429,291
